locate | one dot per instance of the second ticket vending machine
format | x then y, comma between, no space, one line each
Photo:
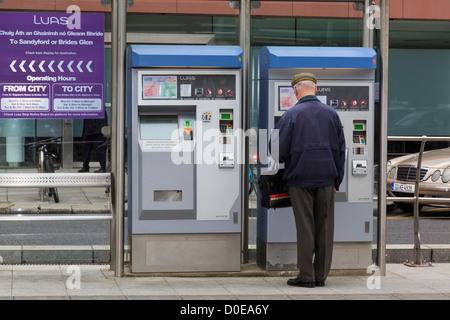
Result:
345,81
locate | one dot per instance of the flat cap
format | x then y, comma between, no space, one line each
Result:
302,77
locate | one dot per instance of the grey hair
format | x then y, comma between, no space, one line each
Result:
306,84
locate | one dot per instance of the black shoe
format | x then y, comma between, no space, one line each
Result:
83,170
100,171
298,283
320,283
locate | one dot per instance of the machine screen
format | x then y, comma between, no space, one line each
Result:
159,87
159,127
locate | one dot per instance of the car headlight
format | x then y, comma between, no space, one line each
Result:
446,175
391,174
389,165
436,175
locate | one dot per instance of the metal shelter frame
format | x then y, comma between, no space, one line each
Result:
118,48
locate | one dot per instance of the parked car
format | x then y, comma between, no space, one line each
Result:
434,176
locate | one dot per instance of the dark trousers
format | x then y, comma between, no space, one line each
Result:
90,142
314,219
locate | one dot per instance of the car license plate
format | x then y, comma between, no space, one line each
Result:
402,187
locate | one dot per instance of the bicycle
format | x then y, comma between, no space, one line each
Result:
46,165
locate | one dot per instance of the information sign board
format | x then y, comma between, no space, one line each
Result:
48,70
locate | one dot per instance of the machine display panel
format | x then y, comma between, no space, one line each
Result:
287,98
186,86
341,98
159,87
158,127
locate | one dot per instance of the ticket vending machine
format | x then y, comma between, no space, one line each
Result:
183,109
345,80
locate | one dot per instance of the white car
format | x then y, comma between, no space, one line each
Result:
434,176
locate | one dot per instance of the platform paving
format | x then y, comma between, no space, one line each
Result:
88,282
92,281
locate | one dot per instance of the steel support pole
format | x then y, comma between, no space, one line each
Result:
367,33
244,42
417,258
118,47
384,47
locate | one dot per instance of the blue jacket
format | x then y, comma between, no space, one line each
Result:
311,144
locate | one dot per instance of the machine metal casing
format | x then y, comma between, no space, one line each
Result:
184,200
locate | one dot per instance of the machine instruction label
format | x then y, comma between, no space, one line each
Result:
159,144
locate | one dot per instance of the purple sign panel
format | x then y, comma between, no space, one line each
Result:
48,70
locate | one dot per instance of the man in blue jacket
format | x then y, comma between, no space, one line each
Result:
312,147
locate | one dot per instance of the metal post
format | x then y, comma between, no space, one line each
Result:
416,252
384,47
67,148
118,46
367,33
244,42
416,257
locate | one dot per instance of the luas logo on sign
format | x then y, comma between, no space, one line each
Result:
72,22
50,20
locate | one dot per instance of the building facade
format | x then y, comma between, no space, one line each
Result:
419,57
